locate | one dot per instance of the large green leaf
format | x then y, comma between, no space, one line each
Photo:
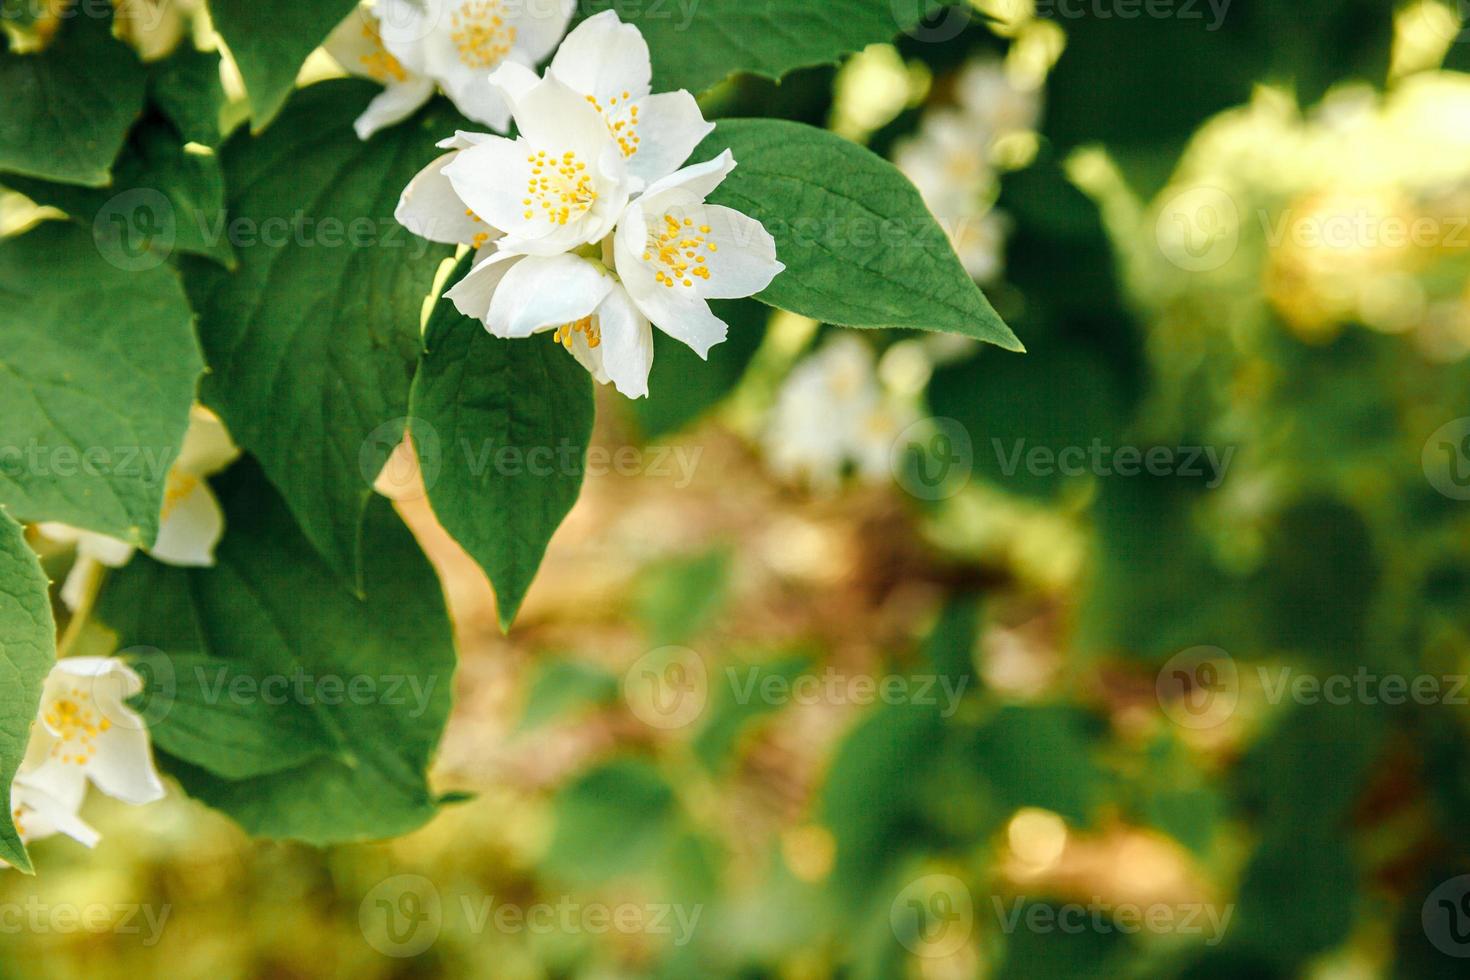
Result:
502,428
27,651
163,198
311,342
269,40
616,819
68,108
860,247
366,681
100,366
697,45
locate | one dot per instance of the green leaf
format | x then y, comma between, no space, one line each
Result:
502,428
697,45
270,40
162,198
68,107
100,367
614,820
860,247
186,88
311,342
274,612
208,711
682,387
27,651
1042,756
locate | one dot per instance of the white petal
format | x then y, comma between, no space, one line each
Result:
627,343
463,139
588,356
688,186
542,292
473,95
192,525
404,26
207,447
604,58
513,80
539,25
430,208
45,815
745,260
490,178
355,42
78,581
553,116
670,126
683,315
472,294
123,767
395,103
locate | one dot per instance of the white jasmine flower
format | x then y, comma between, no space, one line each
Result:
562,183
357,45
831,414
979,240
606,61
190,524
674,253
85,732
459,43
946,160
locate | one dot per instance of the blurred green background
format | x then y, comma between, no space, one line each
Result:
1148,660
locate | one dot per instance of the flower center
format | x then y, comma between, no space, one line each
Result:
378,63
675,251
585,326
560,188
622,122
77,727
480,33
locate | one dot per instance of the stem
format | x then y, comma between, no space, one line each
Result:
94,573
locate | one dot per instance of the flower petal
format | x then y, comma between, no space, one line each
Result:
688,186
539,26
627,343
472,294
543,292
192,525
513,80
394,104
207,447
670,125
430,208
743,261
604,58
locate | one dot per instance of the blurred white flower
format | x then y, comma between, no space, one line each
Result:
85,732
190,524
357,45
409,46
991,100
832,413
